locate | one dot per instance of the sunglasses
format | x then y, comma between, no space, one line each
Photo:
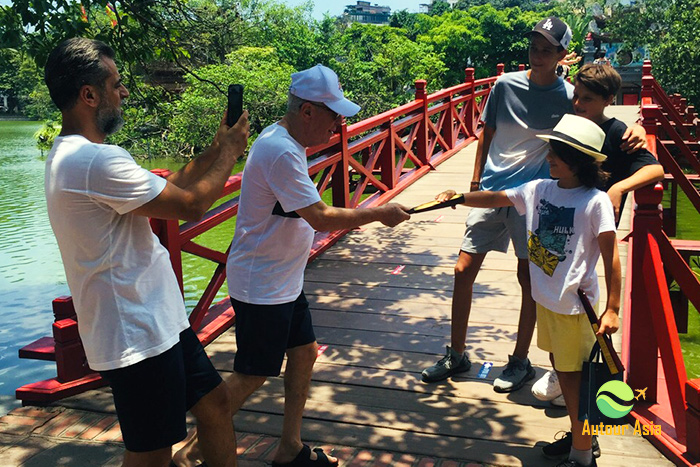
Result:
336,115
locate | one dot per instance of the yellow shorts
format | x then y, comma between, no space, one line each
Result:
569,337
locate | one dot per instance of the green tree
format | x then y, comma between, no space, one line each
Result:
288,30
439,8
266,80
19,77
670,29
380,64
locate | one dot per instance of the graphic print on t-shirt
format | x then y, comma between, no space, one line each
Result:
547,244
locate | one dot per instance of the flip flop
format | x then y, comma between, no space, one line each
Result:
303,459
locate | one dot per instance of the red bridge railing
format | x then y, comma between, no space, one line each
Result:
365,164
651,346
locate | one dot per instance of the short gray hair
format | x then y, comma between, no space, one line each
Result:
294,103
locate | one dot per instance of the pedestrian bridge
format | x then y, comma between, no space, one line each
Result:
381,298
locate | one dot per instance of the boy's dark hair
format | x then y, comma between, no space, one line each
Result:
584,166
599,79
72,64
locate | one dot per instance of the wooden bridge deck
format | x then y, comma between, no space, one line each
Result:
381,303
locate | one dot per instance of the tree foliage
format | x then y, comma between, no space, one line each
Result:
204,45
670,29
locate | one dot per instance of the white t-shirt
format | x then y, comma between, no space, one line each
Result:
125,292
563,227
269,251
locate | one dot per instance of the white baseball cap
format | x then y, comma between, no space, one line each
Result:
320,84
579,133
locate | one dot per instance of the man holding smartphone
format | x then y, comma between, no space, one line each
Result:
279,210
131,314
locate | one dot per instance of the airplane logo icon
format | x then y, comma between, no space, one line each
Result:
641,393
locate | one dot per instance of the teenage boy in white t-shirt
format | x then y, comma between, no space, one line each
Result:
279,211
131,314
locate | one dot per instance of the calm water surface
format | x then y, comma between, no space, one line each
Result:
31,272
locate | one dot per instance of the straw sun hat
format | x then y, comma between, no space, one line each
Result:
579,133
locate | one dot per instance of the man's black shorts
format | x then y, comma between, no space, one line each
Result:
152,396
265,332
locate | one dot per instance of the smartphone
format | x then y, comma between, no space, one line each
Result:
235,103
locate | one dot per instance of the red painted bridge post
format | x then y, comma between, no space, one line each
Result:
422,139
639,348
168,232
500,69
71,363
692,417
387,157
340,181
471,103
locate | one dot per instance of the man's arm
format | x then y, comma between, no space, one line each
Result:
482,150
642,177
324,218
197,167
609,321
196,189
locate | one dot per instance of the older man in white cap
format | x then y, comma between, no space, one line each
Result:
279,210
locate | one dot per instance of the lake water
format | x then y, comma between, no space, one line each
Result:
31,272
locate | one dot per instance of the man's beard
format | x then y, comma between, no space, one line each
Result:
109,119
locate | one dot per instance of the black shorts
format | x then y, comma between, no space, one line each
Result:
265,332
153,396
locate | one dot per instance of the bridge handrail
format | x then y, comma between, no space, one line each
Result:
386,152
650,330
406,130
653,90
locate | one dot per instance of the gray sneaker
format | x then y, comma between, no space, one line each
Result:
514,376
451,364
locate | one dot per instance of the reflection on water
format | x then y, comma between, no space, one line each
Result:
31,272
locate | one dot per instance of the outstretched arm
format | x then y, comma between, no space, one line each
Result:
191,191
609,321
479,199
324,218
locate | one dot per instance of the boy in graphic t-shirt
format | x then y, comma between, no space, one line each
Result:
595,87
570,224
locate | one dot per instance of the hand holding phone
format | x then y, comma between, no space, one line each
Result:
235,103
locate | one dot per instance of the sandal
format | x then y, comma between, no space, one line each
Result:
303,459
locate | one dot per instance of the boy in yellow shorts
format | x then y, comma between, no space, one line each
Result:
570,224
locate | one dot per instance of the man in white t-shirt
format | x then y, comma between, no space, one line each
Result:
131,314
279,211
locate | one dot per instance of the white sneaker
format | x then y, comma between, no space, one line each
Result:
559,401
547,387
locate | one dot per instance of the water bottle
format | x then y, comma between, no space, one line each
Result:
485,368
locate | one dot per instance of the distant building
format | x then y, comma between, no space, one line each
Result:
365,12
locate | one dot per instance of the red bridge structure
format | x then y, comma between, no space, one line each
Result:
370,162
